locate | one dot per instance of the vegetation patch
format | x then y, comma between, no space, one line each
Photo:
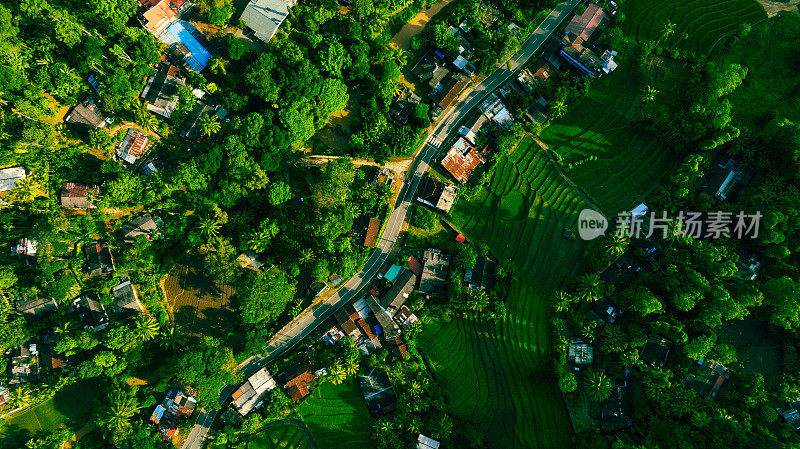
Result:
337,416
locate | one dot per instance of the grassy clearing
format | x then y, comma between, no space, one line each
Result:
285,436
705,21
338,417
629,159
500,376
70,404
772,88
758,346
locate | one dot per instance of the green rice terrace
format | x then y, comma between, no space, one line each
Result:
337,416
705,21
500,375
284,436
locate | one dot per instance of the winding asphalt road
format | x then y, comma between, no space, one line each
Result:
294,332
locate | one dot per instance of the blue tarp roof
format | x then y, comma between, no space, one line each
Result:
183,32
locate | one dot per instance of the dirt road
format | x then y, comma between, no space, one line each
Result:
773,8
415,26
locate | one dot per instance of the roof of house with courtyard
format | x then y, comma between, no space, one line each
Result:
264,17
126,301
79,196
10,176
161,91
145,225
36,306
99,258
655,351
434,272
437,194
90,311
86,115
252,393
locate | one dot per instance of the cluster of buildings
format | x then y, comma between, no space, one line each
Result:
176,407
579,46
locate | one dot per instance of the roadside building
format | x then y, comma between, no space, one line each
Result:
462,159
296,375
389,328
36,306
79,196
373,229
333,335
264,17
90,311
434,272
397,295
161,91
99,259
25,249
437,194
146,225
496,111
133,146
252,394
587,27
9,177
126,301
176,407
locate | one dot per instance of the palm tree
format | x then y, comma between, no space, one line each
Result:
66,328
589,330
615,245
596,386
21,396
25,190
561,301
117,413
398,55
415,388
144,118
668,30
478,300
258,240
306,255
590,287
338,374
211,88
558,108
209,125
210,227
351,367
146,327
218,65
649,94
398,90
170,339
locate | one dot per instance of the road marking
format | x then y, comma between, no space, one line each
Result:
434,141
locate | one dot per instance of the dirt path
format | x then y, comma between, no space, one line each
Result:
773,7
415,26
399,165
125,125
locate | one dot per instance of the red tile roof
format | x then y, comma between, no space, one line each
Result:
372,232
585,24
451,95
460,238
460,165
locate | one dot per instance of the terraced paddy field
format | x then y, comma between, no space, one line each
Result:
284,436
772,87
705,21
337,416
500,375
630,160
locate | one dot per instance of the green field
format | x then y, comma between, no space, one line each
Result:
70,404
279,437
629,159
772,87
705,21
500,376
337,416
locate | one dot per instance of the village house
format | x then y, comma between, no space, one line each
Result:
580,353
333,335
450,91
398,348
791,414
656,351
5,394
99,259
616,411
133,146
405,317
24,364
707,377
145,225
424,442
388,327
9,177
187,46
252,394
377,390
264,17
724,180
482,276
603,311
87,115
471,128
436,194
353,321
25,249
126,301
403,106
436,264
496,111
176,407
90,311
580,38
35,306
156,15
161,91
249,259
748,265
79,196
462,159
296,376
